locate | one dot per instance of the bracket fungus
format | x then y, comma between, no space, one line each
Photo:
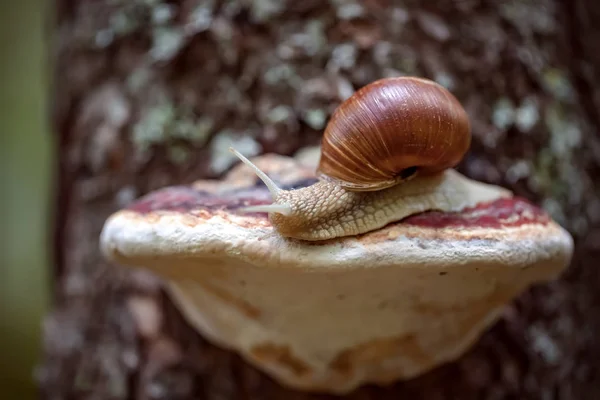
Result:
355,277
331,315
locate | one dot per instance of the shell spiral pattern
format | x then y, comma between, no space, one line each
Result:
393,129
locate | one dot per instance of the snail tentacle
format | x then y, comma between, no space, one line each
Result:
284,208
272,186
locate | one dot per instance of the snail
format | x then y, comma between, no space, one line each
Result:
374,146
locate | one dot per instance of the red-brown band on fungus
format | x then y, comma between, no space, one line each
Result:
506,212
386,305
510,212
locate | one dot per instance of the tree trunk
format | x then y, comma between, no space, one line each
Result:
150,93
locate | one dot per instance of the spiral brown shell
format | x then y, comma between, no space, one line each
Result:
390,130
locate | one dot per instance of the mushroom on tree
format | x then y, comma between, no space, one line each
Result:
331,315
323,300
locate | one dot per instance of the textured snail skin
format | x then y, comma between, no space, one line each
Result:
325,210
391,128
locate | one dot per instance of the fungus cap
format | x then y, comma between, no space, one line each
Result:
329,316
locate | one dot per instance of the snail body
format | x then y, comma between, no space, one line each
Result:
324,211
375,144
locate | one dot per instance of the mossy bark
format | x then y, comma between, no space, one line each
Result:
149,93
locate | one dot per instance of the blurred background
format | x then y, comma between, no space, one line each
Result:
26,172
151,93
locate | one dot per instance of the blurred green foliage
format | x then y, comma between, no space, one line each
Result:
25,201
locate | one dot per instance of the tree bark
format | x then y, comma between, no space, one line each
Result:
149,93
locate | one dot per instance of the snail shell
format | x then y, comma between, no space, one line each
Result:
391,130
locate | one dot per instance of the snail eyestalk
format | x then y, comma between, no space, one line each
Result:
273,188
284,209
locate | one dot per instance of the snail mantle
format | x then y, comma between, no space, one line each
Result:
331,315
